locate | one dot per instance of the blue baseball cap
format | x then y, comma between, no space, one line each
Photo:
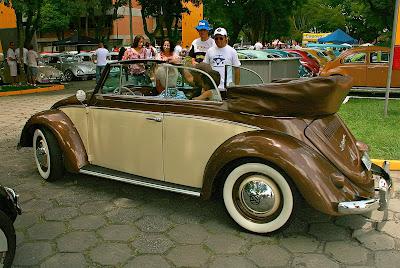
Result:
203,25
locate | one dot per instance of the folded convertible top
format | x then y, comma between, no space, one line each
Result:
305,97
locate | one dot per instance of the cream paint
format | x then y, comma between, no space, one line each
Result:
126,141
77,114
189,142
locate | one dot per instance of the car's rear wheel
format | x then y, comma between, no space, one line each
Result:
48,155
259,198
68,76
7,241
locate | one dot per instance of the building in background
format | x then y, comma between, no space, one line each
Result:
8,26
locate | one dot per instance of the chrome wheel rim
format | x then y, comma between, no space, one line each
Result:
3,247
42,154
68,75
258,197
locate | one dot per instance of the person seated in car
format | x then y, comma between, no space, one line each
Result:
167,86
208,91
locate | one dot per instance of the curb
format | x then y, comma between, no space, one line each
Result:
33,90
394,164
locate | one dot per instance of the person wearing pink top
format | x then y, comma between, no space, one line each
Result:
136,51
167,52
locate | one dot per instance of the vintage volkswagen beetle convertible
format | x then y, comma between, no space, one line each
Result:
9,209
261,147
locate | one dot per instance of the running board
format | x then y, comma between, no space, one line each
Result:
137,180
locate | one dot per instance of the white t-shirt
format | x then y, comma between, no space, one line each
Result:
199,48
25,55
177,49
101,55
258,46
32,58
11,55
218,58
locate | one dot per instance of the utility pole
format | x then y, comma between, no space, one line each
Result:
130,21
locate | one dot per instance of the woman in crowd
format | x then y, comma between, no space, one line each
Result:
167,52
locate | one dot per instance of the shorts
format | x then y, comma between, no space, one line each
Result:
13,68
32,71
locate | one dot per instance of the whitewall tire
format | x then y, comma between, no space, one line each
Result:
47,154
258,197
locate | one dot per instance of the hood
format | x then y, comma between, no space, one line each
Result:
71,100
305,97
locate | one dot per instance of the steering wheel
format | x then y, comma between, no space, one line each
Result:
128,90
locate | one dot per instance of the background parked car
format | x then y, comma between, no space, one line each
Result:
71,66
368,66
310,64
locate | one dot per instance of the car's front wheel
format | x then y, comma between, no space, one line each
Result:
69,76
7,241
48,155
259,198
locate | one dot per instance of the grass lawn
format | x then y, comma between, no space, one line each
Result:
15,88
365,118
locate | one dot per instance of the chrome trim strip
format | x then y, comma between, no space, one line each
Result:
140,183
358,207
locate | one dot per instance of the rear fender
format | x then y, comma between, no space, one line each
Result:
67,136
308,169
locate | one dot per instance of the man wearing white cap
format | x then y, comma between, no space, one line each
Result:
223,54
202,44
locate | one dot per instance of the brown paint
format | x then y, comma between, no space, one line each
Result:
68,138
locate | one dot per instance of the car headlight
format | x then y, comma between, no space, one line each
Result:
79,71
41,75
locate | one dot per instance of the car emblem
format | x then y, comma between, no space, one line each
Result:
343,143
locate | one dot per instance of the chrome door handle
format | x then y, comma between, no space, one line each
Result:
157,119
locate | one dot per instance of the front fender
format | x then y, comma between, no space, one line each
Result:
68,138
309,170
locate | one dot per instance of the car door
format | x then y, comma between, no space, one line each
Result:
124,128
355,66
377,69
193,131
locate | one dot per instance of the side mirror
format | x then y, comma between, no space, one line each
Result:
81,95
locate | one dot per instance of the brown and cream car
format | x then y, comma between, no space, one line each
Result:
260,146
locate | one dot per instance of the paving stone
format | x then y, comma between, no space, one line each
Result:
47,230
111,254
314,261
25,220
188,255
188,234
392,228
376,241
77,241
37,206
377,215
225,244
187,217
127,202
387,259
124,215
65,260
297,226
153,224
346,252
148,261
30,254
152,243
221,225
301,244
88,222
354,222
328,232
394,205
260,239
232,262
61,214
96,207
270,255
118,232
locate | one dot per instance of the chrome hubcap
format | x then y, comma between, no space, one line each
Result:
41,154
259,195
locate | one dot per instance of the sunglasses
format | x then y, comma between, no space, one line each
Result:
219,38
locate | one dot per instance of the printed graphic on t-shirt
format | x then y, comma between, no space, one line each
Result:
218,60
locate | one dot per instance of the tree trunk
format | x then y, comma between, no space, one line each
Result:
130,21
87,25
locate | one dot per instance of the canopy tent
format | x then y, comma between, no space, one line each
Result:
76,41
338,37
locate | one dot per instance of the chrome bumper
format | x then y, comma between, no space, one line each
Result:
382,196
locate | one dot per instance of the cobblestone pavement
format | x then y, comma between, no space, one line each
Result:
83,221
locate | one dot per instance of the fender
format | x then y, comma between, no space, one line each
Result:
310,171
68,138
